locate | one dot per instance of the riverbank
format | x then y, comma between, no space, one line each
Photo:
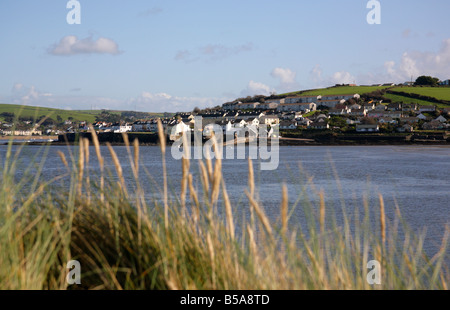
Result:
310,139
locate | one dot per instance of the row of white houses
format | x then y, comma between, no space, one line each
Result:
297,103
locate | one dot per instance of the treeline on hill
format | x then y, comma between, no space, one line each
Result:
43,120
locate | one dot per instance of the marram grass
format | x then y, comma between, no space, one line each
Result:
194,241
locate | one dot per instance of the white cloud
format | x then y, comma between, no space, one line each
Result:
286,76
257,88
342,77
319,80
163,102
27,95
421,63
71,45
146,101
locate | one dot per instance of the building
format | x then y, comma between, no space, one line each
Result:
230,106
427,108
268,106
445,83
405,128
340,111
394,106
121,128
22,132
248,106
369,106
367,128
441,119
341,97
302,99
288,125
270,119
297,107
331,103
319,125
409,107
379,114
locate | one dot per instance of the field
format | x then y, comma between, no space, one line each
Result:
342,90
441,93
398,98
29,111
77,115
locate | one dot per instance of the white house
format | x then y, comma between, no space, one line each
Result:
268,106
332,103
253,122
367,128
422,117
248,106
297,107
178,130
441,119
445,83
336,111
302,99
427,108
341,97
121,128
270,119
288,125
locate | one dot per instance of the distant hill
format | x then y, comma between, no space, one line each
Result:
36,112
76,115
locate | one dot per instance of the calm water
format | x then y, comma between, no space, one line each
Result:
417,179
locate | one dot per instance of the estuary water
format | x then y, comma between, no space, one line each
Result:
416,179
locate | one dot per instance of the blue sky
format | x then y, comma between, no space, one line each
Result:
175,55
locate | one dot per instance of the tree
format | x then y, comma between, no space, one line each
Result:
106,116
426,81
368,121
9,117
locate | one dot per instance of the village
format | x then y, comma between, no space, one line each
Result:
349,113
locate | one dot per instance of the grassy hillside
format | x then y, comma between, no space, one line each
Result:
341,90
441,93
77,115
29,111
398,98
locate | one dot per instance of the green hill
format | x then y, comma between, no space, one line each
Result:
441,93
337,90
36,112
76,115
